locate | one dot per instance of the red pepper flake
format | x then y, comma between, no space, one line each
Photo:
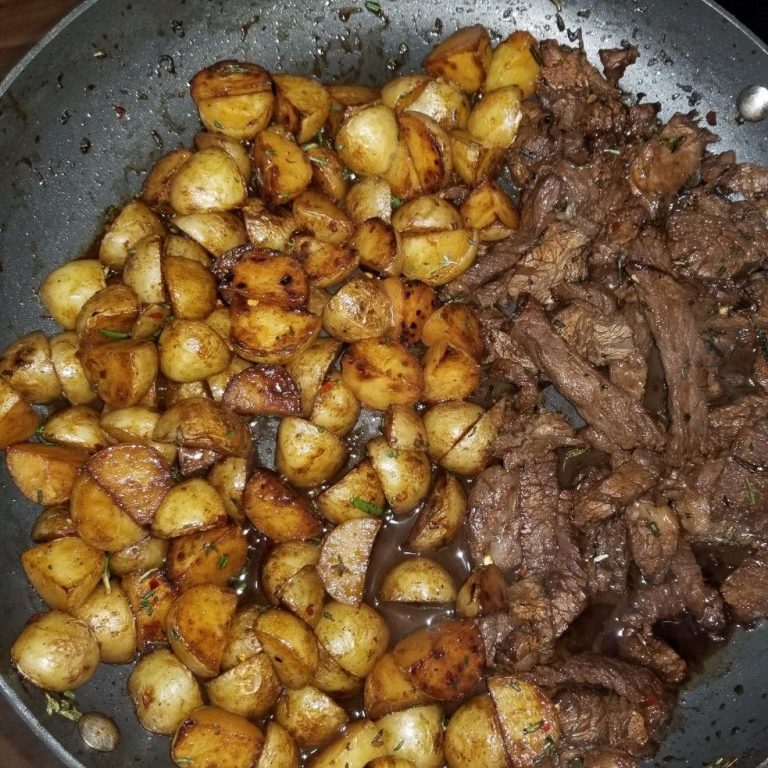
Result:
546,727
327,386
711,117
120,111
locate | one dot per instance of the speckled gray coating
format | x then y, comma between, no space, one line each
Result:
83,117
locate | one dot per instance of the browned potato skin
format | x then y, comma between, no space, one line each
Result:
457,324
404,429
190,286
242,642
151,596
418,580
282,169
53,523
27,366
137,477
429,146
308,455
413,303
326,264
302,104
463,57
209,557
473,737
474,160
18,421
45,473
375,244
309,368
321,217
113,309
290,645
157,184
485,591
249,689
328,172
388,689
442,516
309,715
263,390
445,661
280,750
361,484
214,738
359,310
108,614
344,556
277,510
449,373
228,476
267,228
145,555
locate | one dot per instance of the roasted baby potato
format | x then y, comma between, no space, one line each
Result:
429,147
215,231
283,563
52,523
404,474
473,737
336,408
191,350
157,182
515,61
456,324
309,715
262,389
281,168
367,140
45,473
66,290
496,117
356,747
151,596
360,309
439,100
442,515
369,198
249,689
309,368
290,645
449,373
415,734
404,429
235,149
134,222
280,750
301,104
474,160
490,211
191,506
357,495
321,217
418,580
108,613
143,556
190,286
210,180
76,427
389,689
267,228
306,454
27,365
375,245
463,57
412,304
214,556
242,642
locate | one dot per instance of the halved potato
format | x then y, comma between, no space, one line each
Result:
490,211
136,424
64,571
301,104
27,365
53,523
412,304
134,222
190,506
191,350
76,426
66,290
263,389
277,510
463,57
446,423
429,147
473,737
355,748
515,61
65,349
357,495
141,271
218,383
458,325
360,309
382,373
280,750
389,689
45,473
157,182
282,169
197,625
290,645
375,244
283,563
309,715
354,636
209,181
144,555
404,475
242,642
151,596
216,231
326,264
369,198
436,258
235,149
335,408
332,678
250,689
268,228
367,140
321,217
441,517
445,660
190,286
108,613
474,449
439,100
418,580
402,176
396,89
404,429
303,594
449,373
344,556
164,692
306,454
426,213
328,172
211,736
497,116
485,591
308,369
214,556
474,159
234,98
228,476
416,735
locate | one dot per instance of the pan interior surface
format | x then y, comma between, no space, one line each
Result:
99,101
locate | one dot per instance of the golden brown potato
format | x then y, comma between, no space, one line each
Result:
473,737
191,506
134,222
326,264
250,689
282,169
463,57
309,715
389,689
382,373
196,422
412,304
445,660
52,523
309,368
458,325
290,645
27,365
66,290
328,172
344,556
215,231
306,454
262,389
303,594
515,61
108,614
357,495
280,750
474,159
211,737
436,258
485,591
178,245
369,198
429,147
447,423
151,596
150,322
283,563
234,98
217,384
376,247
418,580
75,427
317,214
242,642
415,735
367,140
56,652
214,556
332,678
191,350
120,372
472,452
142,272
235,149
404,475
441,517
136,477
402,177
527,718
354,636
426,213
276,509
360,309
228,476
439,100
449,373
336,408
355,748
403,429
497,116
268,228
157,183
144,555
64,571
136,424
99,521
197,625
301,104
394,91
66,362
45,473
164,692
209,181
490,211
190,286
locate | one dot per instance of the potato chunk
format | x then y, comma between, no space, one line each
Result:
45,473
463,57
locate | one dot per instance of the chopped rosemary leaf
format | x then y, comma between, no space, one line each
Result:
533,727
367,506
373,7
221,563
114,334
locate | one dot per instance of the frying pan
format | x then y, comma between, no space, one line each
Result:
84,115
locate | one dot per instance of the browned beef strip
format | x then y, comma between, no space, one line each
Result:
746,589
649,651
670,313
606,557
601,404
747,179
653,532
615,62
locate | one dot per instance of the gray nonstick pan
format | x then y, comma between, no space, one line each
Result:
84,115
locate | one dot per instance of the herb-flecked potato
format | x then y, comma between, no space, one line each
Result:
290,645
418,580
108,613
249,689
473,737
404,474
356,747
28,367
415,734
306,454
280,750
358,494
442,516
309,715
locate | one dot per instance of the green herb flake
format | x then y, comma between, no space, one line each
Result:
208,547
751,492
114,334
221,563
328,615
183,761
105,574
64,706
217,124
377,740
673,142
175,634
321,161
367,506
399,745
233,69
612,151
513,685
397,201
533,727
335,107
40,435
392,453
320,428
310,146
145,602
373,7
653,528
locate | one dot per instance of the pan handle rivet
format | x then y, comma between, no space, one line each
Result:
752,103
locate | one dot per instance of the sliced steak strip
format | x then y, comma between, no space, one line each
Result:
746,589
